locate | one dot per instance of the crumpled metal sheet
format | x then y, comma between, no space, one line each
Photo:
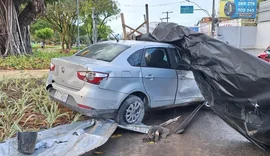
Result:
70,140
236,84
140,128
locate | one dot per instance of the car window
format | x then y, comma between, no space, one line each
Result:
180,63
177,56
156,57
136,58
104,51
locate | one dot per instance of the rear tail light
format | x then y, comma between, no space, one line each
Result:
52,67
92,77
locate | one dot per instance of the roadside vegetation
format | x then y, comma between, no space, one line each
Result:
40,59
25,105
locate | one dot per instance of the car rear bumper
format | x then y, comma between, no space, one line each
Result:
95,113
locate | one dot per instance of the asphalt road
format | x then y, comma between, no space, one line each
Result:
207,135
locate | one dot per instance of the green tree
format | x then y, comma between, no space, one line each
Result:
62,16
44,34
104,32
40,23
105,10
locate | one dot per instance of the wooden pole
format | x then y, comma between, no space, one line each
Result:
136,29
123,26
133,29
147,18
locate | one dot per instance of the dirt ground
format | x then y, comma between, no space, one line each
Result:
24,73
207,135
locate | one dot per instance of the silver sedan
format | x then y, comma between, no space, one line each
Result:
122,80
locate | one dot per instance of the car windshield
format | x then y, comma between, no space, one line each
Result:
103,51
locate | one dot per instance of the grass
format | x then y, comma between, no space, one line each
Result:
25,105
39,60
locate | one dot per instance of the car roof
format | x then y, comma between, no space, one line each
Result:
138,43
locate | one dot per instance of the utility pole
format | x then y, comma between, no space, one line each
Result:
147,18
213,15
78,37
213,19
94,37
167,17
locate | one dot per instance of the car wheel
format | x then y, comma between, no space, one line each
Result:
131,111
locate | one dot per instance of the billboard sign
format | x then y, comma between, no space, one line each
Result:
238,9
186,9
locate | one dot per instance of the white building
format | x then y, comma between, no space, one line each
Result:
263,27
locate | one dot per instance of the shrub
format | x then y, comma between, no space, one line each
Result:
39,60
25,105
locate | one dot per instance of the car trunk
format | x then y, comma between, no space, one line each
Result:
66,68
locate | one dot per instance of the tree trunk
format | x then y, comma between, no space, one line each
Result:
11,39
67,45
62,40
14,28
70,45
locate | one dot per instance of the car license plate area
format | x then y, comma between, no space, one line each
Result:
61,96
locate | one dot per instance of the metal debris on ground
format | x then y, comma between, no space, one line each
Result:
141,128
164,124
84,135
184,124
156,133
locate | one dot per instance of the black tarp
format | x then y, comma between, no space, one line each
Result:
235,83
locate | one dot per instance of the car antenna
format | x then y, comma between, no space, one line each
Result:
117,40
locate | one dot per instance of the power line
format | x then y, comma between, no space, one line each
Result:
154,5
167,17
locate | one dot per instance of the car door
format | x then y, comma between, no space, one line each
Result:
187,88
160,80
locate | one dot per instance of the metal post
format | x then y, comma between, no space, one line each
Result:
94,37
78,36
147,18
199,7
213,18
213,15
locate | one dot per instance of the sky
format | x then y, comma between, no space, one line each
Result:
135,9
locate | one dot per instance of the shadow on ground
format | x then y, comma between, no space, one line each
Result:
206,135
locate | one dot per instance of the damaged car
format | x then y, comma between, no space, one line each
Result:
234,82
122,80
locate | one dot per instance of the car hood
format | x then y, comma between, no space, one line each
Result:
235,83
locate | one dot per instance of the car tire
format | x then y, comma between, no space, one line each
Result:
131,111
